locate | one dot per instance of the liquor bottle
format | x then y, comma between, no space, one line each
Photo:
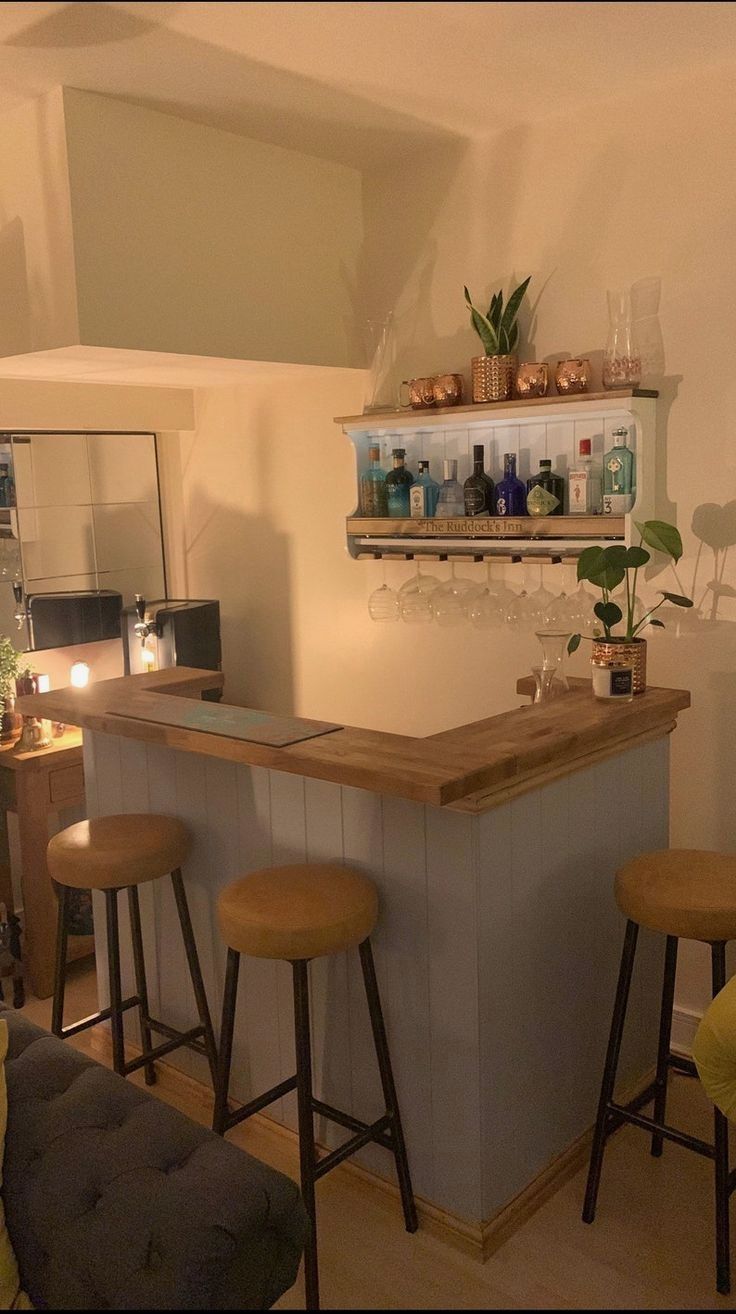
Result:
424,493
545,492
373,499
478,487
619,476
451,501
585,483
398,482
510,491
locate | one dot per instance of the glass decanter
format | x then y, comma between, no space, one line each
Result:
380,347
621,360
554,680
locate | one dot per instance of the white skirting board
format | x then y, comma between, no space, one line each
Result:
497,951
685,1022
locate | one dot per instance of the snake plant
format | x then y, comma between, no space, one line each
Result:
498,330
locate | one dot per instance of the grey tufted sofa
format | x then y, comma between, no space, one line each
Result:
116,1201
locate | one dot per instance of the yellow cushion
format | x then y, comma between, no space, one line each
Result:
714,1050
11,1296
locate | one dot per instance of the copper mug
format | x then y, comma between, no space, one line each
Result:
573,375
448,389
421,394
532,379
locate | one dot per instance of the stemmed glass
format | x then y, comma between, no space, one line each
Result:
415,598
541,600
521,611
450,600
383,604
487,609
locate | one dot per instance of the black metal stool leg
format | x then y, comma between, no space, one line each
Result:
665,1031
195,971
609,1072
387,1082
723,1244
307,1153
57,1010
141,986
229,1000
116,991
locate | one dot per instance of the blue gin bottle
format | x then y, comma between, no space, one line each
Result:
423,493
510,491
398,482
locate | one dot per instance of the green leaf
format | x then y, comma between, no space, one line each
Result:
513,337
514,304
608,575
616,555
483,328
659,624
503,342
573,643
496,307
588,560
609,613
677,599
662,537
636,557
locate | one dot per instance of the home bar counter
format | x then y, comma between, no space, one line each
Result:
494,848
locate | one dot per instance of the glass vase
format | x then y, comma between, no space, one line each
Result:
380,349
621,359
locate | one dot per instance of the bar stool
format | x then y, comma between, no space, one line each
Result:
120,853
685,894
297,913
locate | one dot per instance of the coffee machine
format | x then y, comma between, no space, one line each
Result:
168,632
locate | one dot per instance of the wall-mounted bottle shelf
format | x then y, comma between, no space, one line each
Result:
540,427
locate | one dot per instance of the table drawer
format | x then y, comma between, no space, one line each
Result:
66,783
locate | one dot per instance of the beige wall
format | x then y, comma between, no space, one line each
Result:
644,187
192,240
37,289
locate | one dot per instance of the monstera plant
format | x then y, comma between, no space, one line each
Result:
609,567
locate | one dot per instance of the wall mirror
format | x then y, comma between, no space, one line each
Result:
80,534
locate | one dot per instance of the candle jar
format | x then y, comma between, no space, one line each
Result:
613,681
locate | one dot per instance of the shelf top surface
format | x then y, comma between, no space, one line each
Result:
487,755
480,410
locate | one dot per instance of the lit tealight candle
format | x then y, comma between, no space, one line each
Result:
79,675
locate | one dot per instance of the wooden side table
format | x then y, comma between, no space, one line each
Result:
33,785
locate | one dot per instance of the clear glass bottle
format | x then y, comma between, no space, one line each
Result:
621,360
451,501
424,493
478,488
398,482
373,499
585,483
510,491
619,476
545,492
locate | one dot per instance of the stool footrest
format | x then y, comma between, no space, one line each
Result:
371,1133
179,1039
260,1102
163,1029
352,1124
624,1114
103,1015
682,1064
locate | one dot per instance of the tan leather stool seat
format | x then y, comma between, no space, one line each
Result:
684,892
300,911
109,853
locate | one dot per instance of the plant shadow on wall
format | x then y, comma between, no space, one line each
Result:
715,528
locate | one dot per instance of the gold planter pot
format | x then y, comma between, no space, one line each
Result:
493,377
612,653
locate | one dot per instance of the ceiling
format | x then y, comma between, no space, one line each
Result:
359,82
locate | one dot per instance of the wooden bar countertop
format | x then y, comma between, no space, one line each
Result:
471,768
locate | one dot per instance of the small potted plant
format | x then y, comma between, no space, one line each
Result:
609,567
494,372
10,720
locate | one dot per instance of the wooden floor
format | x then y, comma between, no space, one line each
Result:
650,1248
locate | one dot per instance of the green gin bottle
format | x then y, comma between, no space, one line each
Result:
619,476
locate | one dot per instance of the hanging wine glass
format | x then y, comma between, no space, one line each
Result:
559,611
521,611
450,600
383,604
541,600
415,598
580,616
487,609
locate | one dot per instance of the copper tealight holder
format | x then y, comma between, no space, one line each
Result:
573,375
532,379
